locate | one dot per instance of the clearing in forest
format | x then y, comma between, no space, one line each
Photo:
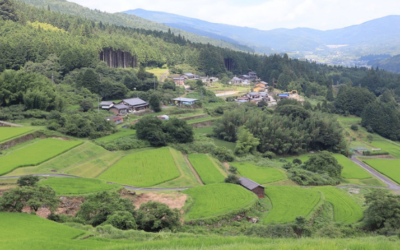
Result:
345,209
35,154
8,133
205,167
390,168
77,186
258,174
290,202
143,169
218,199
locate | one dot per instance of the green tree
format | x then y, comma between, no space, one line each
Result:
155,216
178,131
28,180
232,179
324,162
43,197
122,220
150,128
246,142
329,94
155,103
86,105
7,11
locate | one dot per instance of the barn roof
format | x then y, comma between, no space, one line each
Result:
249,184
120,106
135,101
105,103
183,99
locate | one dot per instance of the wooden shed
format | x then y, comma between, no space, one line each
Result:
253,187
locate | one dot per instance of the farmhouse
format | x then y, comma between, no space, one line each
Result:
135,104
253,187
191,76
184,101
261,87
119,109
106,105
284,96
252,75
179,80
236,80
115,119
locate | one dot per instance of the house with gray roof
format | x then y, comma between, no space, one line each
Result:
119,109
106,105
236,80
184,101
135,104
253,187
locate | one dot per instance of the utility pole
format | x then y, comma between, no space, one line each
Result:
154,82
98,104
202,95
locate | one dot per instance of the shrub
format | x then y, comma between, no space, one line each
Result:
28,180
122,220
354,127
297,161
232,169
232,179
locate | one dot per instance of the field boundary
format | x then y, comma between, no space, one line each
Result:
193,170
382,173
18,139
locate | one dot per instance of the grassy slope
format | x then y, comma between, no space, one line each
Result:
207,170
260,175
35,154
346,210
122,133
143,169
290,202
7,133
77,186
221,143
390,168
218,199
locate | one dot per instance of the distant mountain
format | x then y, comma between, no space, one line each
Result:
390,64
131,21
382,32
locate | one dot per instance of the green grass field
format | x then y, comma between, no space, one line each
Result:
204,119
218,199
7,133
24,231
205,130
77,186
35,154
124,132
290,202
392,148
207,170
222,143
345,209
261,175
143,169
390,168
350,169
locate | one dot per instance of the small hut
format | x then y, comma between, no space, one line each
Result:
253,187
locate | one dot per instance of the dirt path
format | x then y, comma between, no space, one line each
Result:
162,78
193,170
227,93
387,181
11,124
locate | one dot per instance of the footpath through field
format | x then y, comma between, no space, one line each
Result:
127,187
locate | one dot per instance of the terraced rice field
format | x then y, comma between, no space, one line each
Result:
390,168
345,209
393,149
7,133
289,202
207,170
218,199
77,186
125,132
143,169
260,175
35,154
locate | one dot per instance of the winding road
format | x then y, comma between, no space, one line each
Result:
125,186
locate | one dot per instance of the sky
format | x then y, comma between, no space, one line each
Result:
263,14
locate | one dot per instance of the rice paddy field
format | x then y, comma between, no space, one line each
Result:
390,168
218,199
289,202
258,174
77,186
143,169
124,132
207,170
24,231
391,147
345,209
35,154
8,133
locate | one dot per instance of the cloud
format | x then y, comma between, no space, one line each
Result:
263,14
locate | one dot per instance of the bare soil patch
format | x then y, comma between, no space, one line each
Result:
68,206
175,200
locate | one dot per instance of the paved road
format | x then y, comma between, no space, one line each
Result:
391,185
127,187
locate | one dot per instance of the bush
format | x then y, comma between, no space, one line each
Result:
232,179
271,231
375,152
269,155
297,161
232,169
122,220
155,216
306,178
354,127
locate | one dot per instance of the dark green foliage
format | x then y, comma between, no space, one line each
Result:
155,103
376,152
232,179
159,133
308,178
86,105
7,11
98,207
124,143
354,127
353,100
122,220
246,143
300,227
155,216
324,162
383,212
297,161
329,94
295,111
28,180
232,169
271,231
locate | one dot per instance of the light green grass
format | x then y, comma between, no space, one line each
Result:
124,132
350,169
205,130
221,143
35,154
390,168
290,202
77,186
207,170
8,133
204,119
345,209
218,199
392,148
143,169
261,175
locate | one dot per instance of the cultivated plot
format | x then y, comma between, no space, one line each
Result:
125,132
392,148
143,169
290,202
345,209
207,170
35,154
390,168
258,174
7,133
77,186
218,199
350,169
